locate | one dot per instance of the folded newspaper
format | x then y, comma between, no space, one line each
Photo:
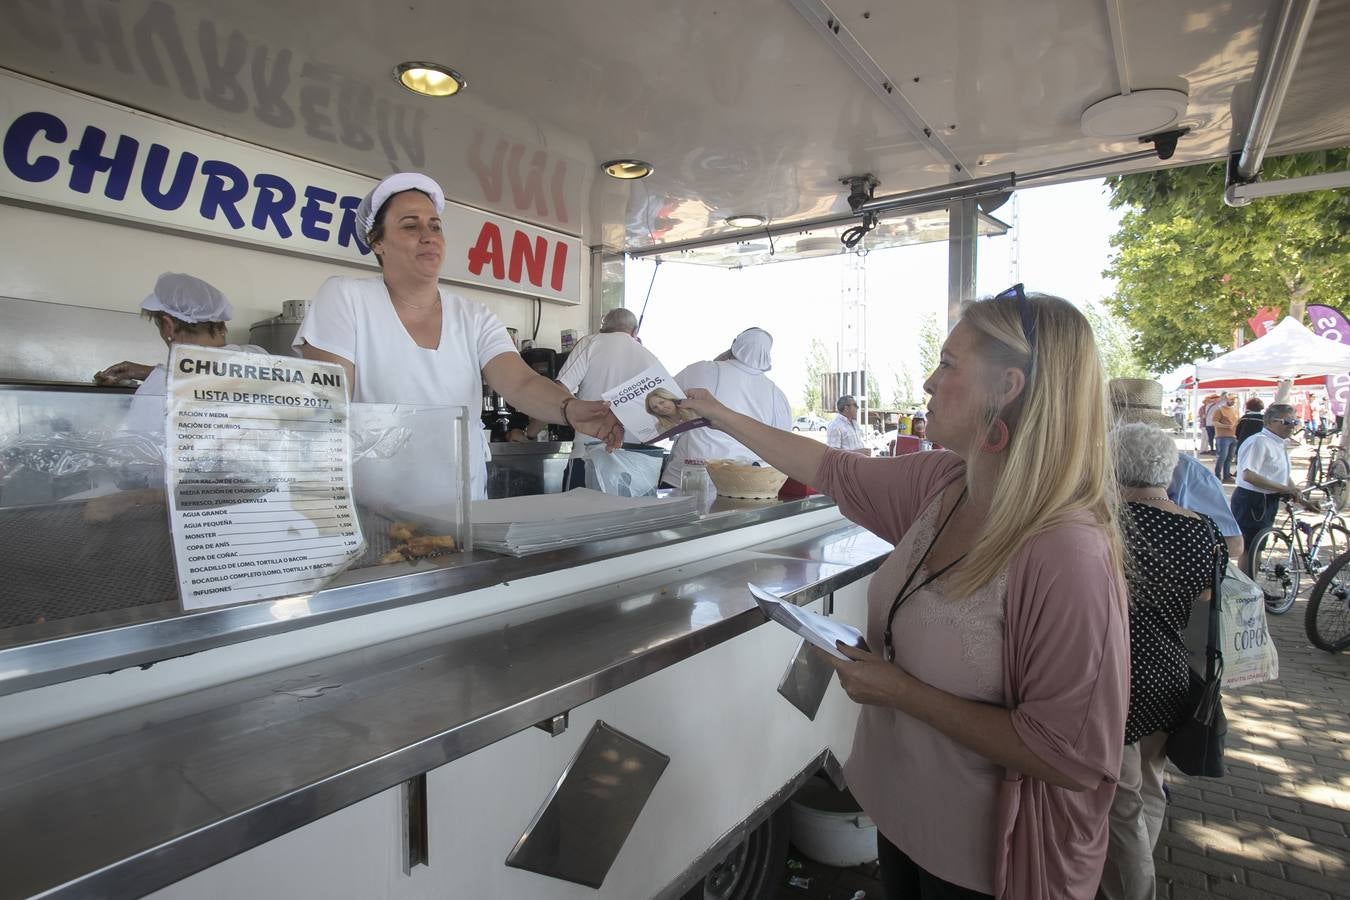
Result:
820,631
648,406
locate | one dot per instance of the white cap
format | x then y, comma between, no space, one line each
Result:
188,299
752,347
396,184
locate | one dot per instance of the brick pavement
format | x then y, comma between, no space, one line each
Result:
1278,826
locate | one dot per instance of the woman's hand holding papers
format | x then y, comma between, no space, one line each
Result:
867,678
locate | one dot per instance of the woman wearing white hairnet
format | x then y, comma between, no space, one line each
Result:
405,339
186,310
737,379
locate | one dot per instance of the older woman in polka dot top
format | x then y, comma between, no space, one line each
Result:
1169,567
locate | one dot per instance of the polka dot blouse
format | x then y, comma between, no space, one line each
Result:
1169,563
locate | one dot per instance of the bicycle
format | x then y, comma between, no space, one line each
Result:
1279,557
1336,470
1327,620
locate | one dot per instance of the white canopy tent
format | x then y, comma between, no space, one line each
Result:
1286,351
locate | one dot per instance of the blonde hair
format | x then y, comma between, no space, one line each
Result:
1057,464
663,423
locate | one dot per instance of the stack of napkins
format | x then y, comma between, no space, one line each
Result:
523,525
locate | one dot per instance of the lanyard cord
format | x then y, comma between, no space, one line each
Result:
905,592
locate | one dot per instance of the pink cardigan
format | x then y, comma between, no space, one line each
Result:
1066,671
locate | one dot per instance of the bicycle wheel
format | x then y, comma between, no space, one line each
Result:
1276,569
1327,619
1331,542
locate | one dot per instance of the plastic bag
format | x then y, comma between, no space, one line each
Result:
624,473
1249,655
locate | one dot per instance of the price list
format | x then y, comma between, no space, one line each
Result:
259,468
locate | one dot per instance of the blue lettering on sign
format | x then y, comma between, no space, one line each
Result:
19,139
261,203
312,215
152,179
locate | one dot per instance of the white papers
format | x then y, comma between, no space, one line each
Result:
259,475
524,525
646,405
820,631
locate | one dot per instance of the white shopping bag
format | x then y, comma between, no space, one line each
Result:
1249,655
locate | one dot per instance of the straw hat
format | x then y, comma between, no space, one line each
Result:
1138,400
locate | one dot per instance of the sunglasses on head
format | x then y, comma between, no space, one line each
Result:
1024,309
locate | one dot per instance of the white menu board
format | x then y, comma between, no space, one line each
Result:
259,471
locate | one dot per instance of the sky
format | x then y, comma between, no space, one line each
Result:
1062,244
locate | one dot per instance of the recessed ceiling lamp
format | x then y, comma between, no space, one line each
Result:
429,79
1133,115
627,169
745,220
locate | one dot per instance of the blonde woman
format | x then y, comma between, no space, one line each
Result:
994,693
665,408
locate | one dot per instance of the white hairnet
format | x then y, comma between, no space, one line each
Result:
396,184
752,347
188,299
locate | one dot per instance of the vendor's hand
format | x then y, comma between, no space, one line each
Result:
594,417
704,404
123,372
867,678
516,436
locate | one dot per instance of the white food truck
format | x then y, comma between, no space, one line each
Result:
616,719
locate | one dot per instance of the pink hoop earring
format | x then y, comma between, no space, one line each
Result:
1000,443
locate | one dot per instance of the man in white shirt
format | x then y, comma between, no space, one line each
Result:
737,379
1208,412
597,363
843,433
1264,474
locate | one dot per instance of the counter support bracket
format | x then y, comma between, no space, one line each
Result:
554,725
416,843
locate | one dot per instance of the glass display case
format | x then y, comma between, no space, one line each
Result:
85,537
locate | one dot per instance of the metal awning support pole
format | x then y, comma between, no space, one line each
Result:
1276,72
961,254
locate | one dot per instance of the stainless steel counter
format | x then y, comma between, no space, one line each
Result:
127,803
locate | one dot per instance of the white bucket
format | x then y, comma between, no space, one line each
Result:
829,827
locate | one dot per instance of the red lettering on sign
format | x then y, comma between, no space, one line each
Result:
488,249
559,265
527,255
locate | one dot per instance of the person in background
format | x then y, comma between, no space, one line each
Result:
596,364
184,310
843,433
1192,485
1225,417
1264,475
1179,414
1207,419
1170,561
739,375
995,679
1252,421
405,339
915,441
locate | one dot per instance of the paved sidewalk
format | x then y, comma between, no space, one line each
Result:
1279,824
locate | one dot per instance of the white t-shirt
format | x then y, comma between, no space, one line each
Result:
597,363
739,387
843,433
355,319
146,412
1265,455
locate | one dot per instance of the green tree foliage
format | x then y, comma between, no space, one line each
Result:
817,364
1114,343
1189,269
873,389
930,344
902,388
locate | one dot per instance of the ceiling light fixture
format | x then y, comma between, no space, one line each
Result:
626,169
745,220
429,79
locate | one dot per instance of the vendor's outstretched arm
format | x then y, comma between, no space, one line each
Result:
796,456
